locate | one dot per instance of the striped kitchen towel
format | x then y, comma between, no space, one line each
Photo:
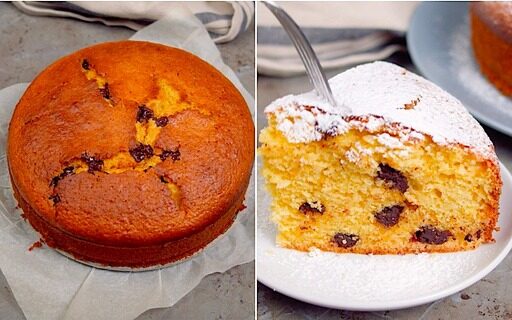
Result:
341,33
224,20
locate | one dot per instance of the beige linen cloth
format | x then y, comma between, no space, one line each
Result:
342,34
224,20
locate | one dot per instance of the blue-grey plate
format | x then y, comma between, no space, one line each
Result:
439,43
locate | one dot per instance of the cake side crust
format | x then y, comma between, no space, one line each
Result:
131,257
492,52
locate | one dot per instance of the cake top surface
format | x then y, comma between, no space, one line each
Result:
131,143
381,96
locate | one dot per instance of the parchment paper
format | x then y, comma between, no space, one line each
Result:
49,286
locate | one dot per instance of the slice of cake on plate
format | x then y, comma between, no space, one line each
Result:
398,166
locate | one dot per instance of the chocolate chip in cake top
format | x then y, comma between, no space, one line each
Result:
431,235
393,177
313,207
65,172
141,152
105,92
162,121
389,216
345,240
55,180
93,163
85,64
144,114
55,198
173,154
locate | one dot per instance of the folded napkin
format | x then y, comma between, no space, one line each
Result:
223,20
341,33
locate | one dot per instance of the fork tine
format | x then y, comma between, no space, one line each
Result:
305,51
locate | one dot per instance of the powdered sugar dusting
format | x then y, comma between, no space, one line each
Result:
390,141
379,96
313,252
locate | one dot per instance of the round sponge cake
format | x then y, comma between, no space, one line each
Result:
491,37
130,154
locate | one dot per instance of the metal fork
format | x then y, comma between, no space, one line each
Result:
306,53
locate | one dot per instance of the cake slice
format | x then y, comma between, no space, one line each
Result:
399,166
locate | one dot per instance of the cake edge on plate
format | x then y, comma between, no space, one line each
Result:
491,38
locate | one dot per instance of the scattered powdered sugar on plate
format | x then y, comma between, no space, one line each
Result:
372,282
465,67
381,96
314,252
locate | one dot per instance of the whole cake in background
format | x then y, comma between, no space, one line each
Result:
130,154
491,36
406,170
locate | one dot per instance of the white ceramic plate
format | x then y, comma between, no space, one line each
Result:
373,283
438,40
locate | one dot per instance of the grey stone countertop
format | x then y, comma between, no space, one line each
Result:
27,45
489,298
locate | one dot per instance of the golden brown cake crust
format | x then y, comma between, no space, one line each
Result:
67,115
491,37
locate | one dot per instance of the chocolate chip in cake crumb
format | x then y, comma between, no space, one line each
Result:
55,198
163,180
394,177
478,234
141,152
345,240
468,237
85,64
389,216
105,92
144,114
313,207
93,163
173,154
162,121
431,235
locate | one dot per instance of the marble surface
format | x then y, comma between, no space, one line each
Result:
490,298
27,45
